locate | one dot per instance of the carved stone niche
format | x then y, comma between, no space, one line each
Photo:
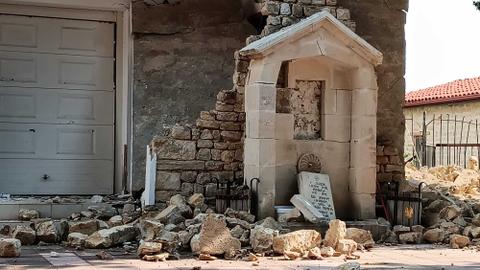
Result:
324,102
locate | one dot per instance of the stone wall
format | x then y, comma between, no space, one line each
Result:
381,23
182,57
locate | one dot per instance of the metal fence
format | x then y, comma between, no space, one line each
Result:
444,139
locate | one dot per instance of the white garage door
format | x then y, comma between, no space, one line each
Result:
56,106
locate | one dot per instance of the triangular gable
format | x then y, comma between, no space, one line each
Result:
309,25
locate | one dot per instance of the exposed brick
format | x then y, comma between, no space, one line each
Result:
188,176
204,144
205,115
227,96
181,133
180,165
168,181
222,107
233,126
216,154
210,124
231,136
214,165
227,116
228,156
206,134
203,178
204,154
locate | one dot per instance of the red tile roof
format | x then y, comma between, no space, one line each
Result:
459,90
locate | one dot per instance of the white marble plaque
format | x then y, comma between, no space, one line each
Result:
315,187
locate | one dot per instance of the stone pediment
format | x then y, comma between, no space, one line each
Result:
321,30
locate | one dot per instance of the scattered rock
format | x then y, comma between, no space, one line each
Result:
85,227
28,214
10,247
196,200
450,212
327,251
361,237
170,215
206,257
243,215
76,239
111,237
399,229
459,241
298,241
149,248
410,238
315,254
337,230
25,234
157,257
261,238
150,229
291,255
346,246
52,231
115,221
434,235
103,255
195,244
96,199
237,231
215,238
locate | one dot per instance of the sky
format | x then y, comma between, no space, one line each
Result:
443,42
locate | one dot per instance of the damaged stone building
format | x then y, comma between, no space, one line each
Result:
112,77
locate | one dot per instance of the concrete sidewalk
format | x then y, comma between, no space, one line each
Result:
394,257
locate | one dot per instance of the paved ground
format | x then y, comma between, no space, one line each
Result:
400,257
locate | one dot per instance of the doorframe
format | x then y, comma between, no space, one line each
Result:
119,12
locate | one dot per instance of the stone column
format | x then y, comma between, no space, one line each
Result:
259,151
362,180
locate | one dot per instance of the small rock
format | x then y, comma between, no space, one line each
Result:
362,237
327,251
434,235
10,247
149,248
270,223
243,215
195,244
459,241
25,234
315,254
261,238
237,231
103,255
87,214
252,257
398,229
450,212
298,241
116,220
346,246
417,228
76,239
111,237
410,238
52,231
476,220
206,257
157,257
337,230
96,199
85,227
291,255
150,229
28,214
171,215
103,212
196,200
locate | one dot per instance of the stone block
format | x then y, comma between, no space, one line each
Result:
206,134
209,124
285,9
260,97
264,72
364,102
363,205
203,178
260,152
181,132
285,152
204,154
188,176
167,165
216,154
260,124
227,116
235,126
284,126
228,156
336,128
174,149
343,14
168,180
364,78
214,165
297,10
364,127
362,156
341,80
286,185
206,115
204,144
231,136
270,8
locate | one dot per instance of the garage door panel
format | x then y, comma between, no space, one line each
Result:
64,176
56,71
56,106
42,35
56,141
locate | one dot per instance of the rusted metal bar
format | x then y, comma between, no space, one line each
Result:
466,141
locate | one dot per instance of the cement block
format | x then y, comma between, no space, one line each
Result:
363,127
329,102
364,102
363,180
260,97
266,191
260,125
307,209
284,126
259,152
363,154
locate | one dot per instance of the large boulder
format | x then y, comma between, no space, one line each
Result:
215,237
346,246
28,214
173,214
150,229
86,226
261,238
111,237
52,231
434,235
25,234
10,247
299,241
337,230
149,248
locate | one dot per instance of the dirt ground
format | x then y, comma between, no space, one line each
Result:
381,257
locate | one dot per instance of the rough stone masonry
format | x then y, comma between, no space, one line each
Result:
211,145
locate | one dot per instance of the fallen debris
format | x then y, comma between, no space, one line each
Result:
10,247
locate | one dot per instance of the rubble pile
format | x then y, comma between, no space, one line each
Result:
184,226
